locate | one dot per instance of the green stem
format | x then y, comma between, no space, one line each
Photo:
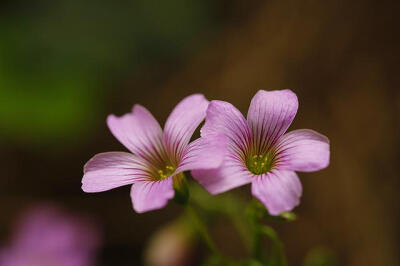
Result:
277,245
257,245
254,219
201,229
277,257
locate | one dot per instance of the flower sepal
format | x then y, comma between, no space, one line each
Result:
260,211
181,189
282,217
288,216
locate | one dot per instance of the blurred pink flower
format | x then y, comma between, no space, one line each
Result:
259,151
157,157
47,236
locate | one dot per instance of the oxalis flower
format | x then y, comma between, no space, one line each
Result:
158,158
259,152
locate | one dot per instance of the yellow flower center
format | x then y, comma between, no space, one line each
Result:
260,163
166,172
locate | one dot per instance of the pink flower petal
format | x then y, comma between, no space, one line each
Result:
270,115
302,150
224,118
231,174
151,195
140,133
109,170
278,190
203,153
182,122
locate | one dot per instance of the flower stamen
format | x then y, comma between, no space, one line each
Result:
260,163
166,172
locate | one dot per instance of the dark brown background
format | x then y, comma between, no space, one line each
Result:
341,58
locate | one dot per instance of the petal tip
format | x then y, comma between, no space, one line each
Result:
150,196
111,121
138,108
290,95
87,188
142,209
279,191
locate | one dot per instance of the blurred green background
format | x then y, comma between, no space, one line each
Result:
66,64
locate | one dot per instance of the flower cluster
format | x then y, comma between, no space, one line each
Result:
232,151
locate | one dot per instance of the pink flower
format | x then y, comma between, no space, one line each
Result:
157,157
259,152
47,236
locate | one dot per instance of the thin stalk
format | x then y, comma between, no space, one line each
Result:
201,229
277,245
254,219
277,257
